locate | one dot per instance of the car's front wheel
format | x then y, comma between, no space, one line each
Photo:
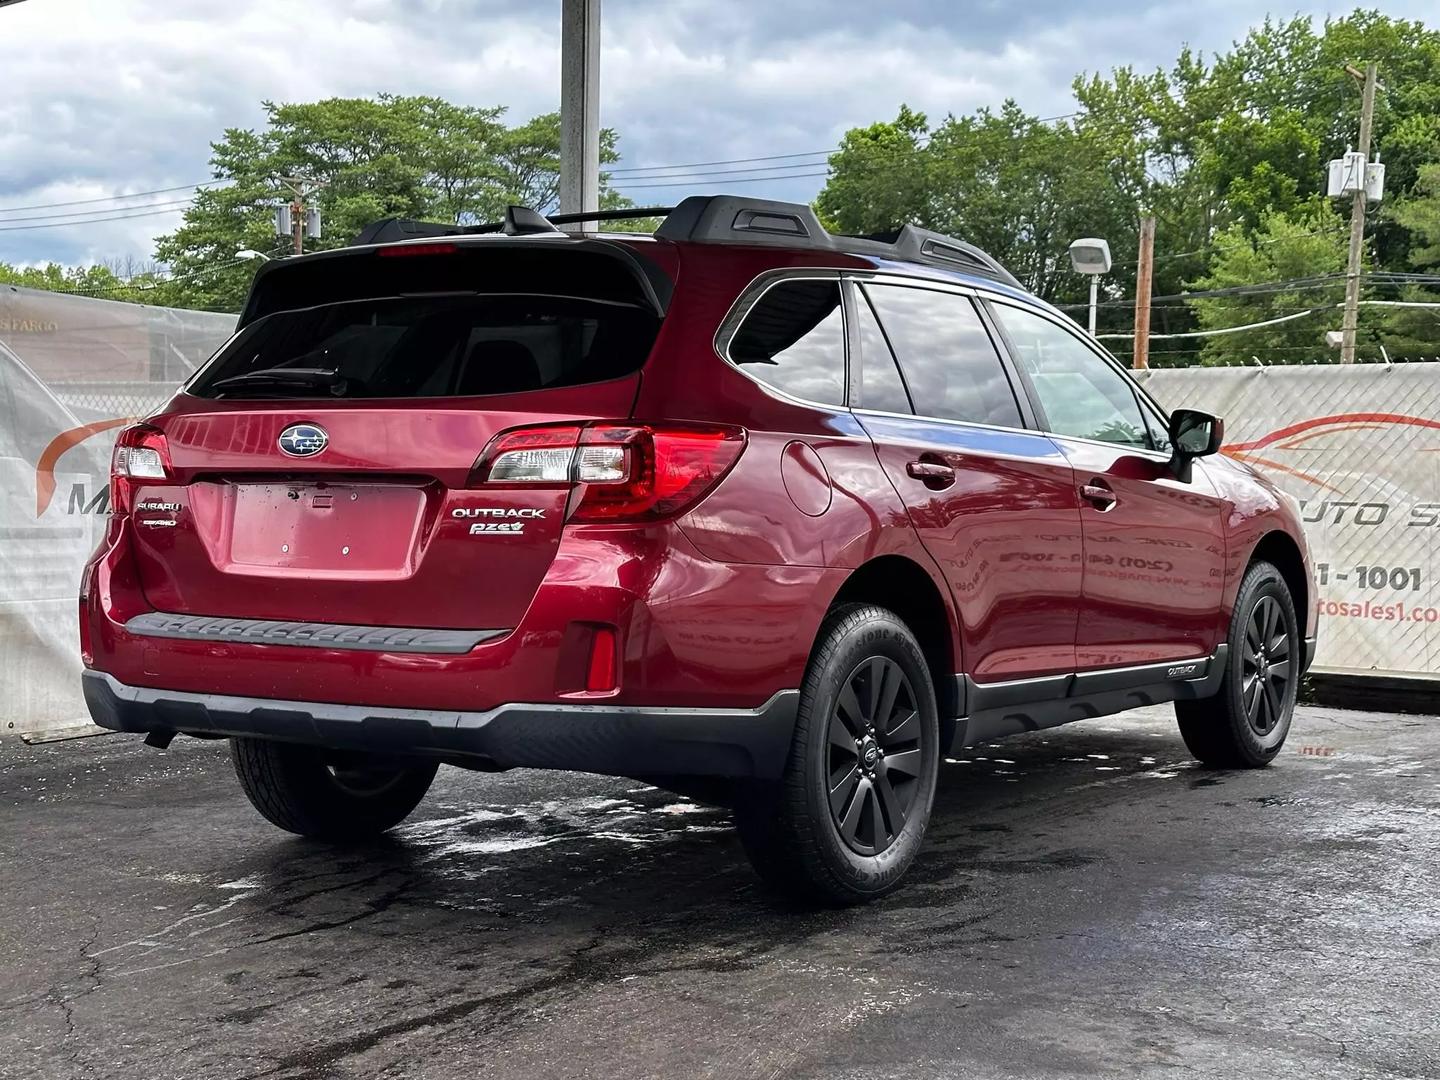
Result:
1244,725
847,819
328,796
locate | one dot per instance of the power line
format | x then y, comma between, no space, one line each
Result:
113,198
93,213
727,161
708,183
93,221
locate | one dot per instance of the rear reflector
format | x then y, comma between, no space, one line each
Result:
601,673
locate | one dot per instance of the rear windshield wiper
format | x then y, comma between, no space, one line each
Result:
303,378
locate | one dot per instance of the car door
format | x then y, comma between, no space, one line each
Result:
993,502
1154,541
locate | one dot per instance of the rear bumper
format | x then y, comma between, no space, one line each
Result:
618,740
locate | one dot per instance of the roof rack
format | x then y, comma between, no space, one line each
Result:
731,219
736,219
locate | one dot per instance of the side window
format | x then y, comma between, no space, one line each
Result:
1083,395
794,340
881,387
950,364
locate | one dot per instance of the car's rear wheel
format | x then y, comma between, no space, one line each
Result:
326,795
847,819
1245,724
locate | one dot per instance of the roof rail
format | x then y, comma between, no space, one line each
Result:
736,219
732,219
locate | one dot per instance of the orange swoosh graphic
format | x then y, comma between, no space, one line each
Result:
45,467
1336,420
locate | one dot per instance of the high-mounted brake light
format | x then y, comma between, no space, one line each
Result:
401,251
621,472
141,453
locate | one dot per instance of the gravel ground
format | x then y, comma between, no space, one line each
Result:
1090,903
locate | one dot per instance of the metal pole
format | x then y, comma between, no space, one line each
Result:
579,108
1094,287
1357,227
1143,276
297,224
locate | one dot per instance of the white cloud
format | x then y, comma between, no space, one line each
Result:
123,96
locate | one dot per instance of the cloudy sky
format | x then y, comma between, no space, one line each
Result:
100,98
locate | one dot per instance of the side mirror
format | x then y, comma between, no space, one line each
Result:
1195,434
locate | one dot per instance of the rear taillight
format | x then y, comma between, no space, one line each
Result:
622,472
141,454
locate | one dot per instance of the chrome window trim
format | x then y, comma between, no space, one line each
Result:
751,295
1000,455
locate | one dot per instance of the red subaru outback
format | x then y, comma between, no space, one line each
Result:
743,509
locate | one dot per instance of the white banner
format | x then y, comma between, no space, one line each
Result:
73,371
1359,447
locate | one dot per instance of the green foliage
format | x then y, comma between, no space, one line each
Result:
100,280
1018,188
1302,246
1228,154
1419,215
388,156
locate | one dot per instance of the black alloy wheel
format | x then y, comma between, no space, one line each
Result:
874,765
1266,666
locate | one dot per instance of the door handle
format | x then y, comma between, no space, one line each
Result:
933,473
1098,494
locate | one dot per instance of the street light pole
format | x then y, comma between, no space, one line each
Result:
1091,256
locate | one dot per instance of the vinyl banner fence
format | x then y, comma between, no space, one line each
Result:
1359,447
73,370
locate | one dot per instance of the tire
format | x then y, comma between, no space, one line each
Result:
852,852
327,796
1244,725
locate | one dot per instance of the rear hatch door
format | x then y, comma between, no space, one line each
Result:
321,463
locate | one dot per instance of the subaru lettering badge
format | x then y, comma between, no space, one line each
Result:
303,440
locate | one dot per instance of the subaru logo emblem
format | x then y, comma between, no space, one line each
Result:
303,440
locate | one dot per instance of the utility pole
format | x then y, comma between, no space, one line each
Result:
1357,220
1144,276
579,108
303,218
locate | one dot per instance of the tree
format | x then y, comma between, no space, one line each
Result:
1221,151
1306,248
388,156
1019,188
100,280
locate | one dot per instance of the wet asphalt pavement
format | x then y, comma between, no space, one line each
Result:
1090,903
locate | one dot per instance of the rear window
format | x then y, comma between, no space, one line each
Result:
497,317
431,346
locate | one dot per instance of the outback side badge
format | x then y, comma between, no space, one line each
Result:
303,440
